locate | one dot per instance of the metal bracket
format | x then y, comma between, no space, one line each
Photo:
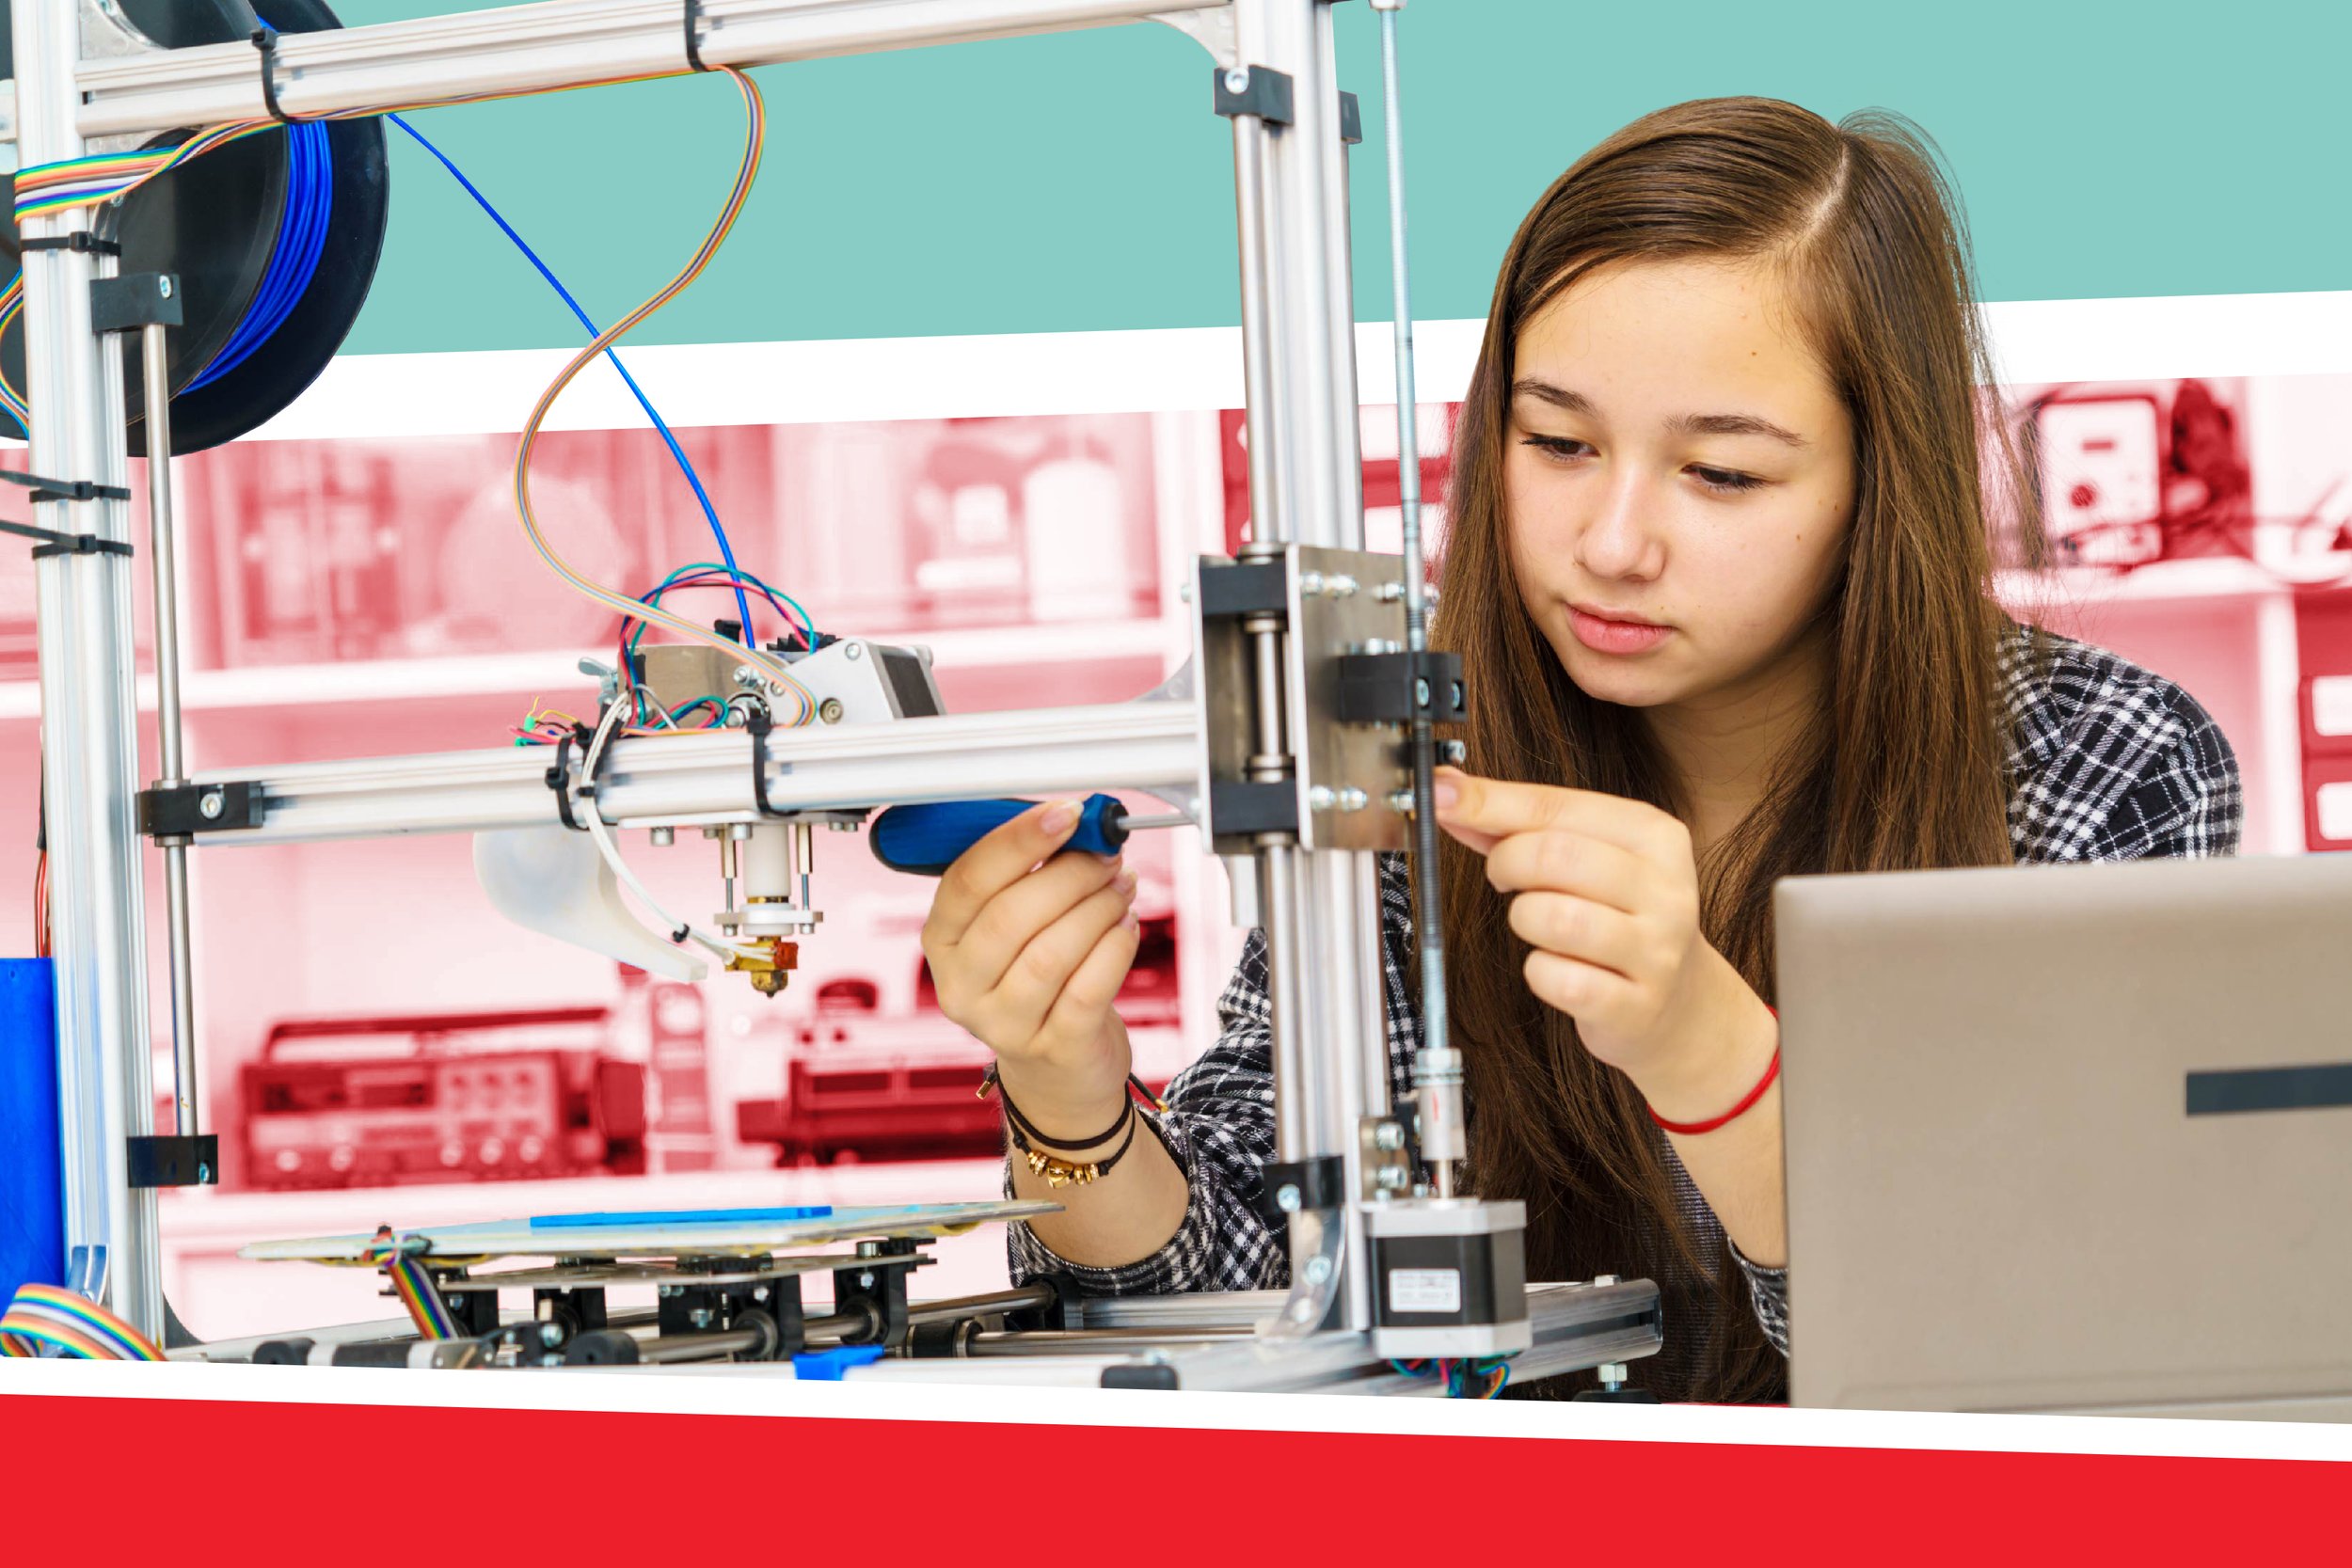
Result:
133,301
172,1162
187,810
1212,29
876,1284
1253,89
1351,120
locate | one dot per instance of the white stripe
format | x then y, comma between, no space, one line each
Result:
739,1391
1095,372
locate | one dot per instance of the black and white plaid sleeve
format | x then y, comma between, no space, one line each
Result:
2111,762
1219,1129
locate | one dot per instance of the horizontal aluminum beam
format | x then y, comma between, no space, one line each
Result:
537,48
1152,746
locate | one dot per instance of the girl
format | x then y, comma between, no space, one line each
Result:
1718,574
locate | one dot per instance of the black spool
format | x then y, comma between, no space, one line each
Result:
214,223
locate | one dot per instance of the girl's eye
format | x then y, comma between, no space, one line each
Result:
1727,481
1558,446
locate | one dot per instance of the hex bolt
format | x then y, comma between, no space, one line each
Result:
1311,584
162,285
1237,79
1184,592
746,676
829,710
1401,802
210,806
1286,1197
550,1335
1354,800
1458,696
1389,593
1612,1374
856,650
699,1317
1391,1178
1420,692
739,831
1455,752
1388,1136
1318,1269
1341,587
1320,799
663,837
865,1280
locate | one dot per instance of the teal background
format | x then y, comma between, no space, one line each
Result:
1079,180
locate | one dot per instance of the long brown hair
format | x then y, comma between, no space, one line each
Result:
1904,768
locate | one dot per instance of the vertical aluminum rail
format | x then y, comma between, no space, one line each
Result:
89,709
162,552
1302,331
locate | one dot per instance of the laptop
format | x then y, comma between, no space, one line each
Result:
2071,1137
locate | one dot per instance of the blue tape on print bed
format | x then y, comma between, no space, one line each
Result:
680,1216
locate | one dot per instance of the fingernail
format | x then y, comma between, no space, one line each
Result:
1128,920
1126,882
1445,793
1059,818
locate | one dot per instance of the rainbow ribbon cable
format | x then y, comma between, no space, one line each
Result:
398,1259
44,1315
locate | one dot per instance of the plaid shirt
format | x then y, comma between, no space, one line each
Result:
2108,762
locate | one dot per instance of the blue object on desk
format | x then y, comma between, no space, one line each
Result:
32,1162
925,840
826,1366
679,1216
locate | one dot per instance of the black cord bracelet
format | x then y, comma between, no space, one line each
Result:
1021,1124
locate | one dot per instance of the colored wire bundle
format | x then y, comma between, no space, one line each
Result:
543,726
45,1316
711,513
1491,1373
776,674
414,1285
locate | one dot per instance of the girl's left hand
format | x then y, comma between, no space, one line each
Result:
1605,890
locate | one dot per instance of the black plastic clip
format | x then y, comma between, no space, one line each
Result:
756,725
1399,687
265,40
1304,1186
80,240
184,811
559,780
160,1161
65,490
52,543
1351,120
693,50
133,301
1263,93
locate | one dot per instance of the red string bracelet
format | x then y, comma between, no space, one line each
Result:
1747,1104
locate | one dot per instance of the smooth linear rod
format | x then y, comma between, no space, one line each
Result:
518,49
1154,747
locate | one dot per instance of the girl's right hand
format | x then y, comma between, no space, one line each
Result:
1027,950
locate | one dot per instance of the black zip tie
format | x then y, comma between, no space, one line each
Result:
81,239
265,40
65,490
693,50
757,723
52,543
558,777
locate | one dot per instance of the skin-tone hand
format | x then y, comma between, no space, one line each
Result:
1605,893
1027,949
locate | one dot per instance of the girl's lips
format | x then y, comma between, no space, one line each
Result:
1605,635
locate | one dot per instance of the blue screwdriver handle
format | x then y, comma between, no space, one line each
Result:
925,840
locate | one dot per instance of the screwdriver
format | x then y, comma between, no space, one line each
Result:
925,840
